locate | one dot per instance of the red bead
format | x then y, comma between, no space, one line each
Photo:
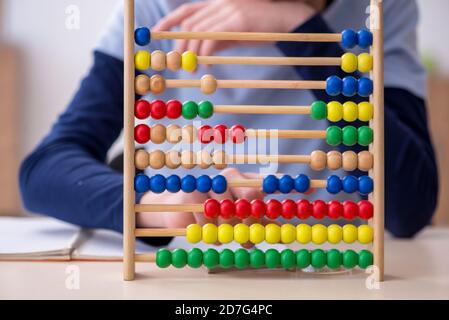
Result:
237,134
220,134
366,210
258,209
305,209
274,209
205,134
174,109
320,209
335,210
158,109
142,109
289,208
227,208
350,210
142,133
242,209
211,209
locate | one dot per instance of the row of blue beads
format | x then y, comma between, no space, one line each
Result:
286,184
350,39
350,184
349,86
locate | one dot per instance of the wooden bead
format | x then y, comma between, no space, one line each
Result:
174,61
173,159
204,159
141,159
158,60
142,84
208,84
157,159
318,160
350,161
334,160
158,134
189,134
366,161
188,159
157,84
219,159
173,133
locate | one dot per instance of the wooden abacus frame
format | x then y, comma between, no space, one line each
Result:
377,99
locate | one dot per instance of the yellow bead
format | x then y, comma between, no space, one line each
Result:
210,233
334,234
303,233
349,62
350,111
256,233
189,61
241,233
142,60
350,233
365,62
365,233
272,233
225,233
334,111
366,111
193,233
319,234
288,233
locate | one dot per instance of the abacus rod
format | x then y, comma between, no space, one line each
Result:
193,207
264,158
286,134
145,257
250,84
160,232
282,61
247,36
261,109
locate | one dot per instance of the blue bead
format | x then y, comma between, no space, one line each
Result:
350,184
302,183
365,87
204,184
349,39
219,184
334,86
334,185
365,38
142,36
286,184
188,184
173,184
350,86
157,183
270,184
141,183
366,185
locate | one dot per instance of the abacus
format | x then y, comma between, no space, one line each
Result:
371,162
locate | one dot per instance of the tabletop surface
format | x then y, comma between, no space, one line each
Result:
415,269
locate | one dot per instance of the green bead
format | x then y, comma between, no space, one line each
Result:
303,258
350,136
334,136
205,109
257,258
318,259
226,259
163,258
272,258
334,259
211,258
195,258
241,259
350,259
365,259
189,110
365,136
179,258
318,110
288,259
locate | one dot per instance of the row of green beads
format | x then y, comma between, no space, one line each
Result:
349,136
190,110
242,259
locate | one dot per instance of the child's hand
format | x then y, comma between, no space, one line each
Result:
235,16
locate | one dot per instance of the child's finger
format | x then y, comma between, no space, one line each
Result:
176,17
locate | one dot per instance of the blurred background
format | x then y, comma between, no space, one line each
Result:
38,53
